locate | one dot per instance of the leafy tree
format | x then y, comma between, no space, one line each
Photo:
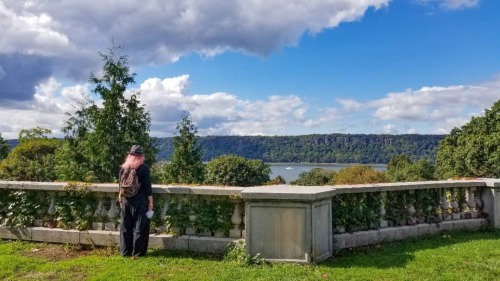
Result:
402,169
234,170
472,150
359,174
98,138
33,159
316,176
4,148
186,166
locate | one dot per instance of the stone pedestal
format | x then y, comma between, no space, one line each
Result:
287,223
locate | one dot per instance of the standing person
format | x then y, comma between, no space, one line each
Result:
134,201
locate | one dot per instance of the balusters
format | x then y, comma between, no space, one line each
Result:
42,210
163,214
383,222
236,220
191,228
471,202
100,213
445,205
112,214
455,211
410,209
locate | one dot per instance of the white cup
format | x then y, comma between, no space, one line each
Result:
149,214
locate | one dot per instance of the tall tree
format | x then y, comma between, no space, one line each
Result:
4,148
472,150
103,135
187,165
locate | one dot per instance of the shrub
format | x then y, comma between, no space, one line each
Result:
234,170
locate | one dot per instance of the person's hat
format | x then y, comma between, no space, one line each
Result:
136,150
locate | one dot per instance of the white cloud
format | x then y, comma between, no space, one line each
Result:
389,129
450,4
61,38
218,113
350,104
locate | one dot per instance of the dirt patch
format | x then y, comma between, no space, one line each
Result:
53,252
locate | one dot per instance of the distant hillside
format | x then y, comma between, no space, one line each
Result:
328,148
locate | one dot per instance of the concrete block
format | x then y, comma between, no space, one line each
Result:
159,241
180,243
364,238
55,235
445,226
210,244
427,229
405,232
387,234
99,237
339,241
472,224
15,233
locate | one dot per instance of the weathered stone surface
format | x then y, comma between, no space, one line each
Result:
100,237
210,245
55,235
279,230
364,238
16,233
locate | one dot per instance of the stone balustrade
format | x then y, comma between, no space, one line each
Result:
280,222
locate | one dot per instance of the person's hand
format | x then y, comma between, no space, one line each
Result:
150,205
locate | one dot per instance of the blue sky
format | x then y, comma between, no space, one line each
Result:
256,68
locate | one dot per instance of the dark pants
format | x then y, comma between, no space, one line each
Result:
134,228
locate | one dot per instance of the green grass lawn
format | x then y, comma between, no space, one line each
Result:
453,256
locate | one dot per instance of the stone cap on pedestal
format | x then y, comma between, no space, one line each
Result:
288,193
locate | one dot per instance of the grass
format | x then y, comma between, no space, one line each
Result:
454,256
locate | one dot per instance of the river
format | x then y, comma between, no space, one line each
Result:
291,171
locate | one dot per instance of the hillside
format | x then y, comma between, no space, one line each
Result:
327,148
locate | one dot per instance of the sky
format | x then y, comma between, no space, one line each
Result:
250,67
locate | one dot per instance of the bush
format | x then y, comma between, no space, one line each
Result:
358,174
232,170
316,176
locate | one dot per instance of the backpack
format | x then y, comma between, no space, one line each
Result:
129,183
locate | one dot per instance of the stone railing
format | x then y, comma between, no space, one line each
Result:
281,222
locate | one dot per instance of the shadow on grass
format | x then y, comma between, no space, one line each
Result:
399,254
184,254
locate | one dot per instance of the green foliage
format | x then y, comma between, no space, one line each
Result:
160,173
402,169
315,176
4,148
187,166
237,254
73,209
213,215
232,170
356,211
32,160
472,150
20,207
178,214
101,136
358,174
327,148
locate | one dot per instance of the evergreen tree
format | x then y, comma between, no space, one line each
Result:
187,165
98,138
